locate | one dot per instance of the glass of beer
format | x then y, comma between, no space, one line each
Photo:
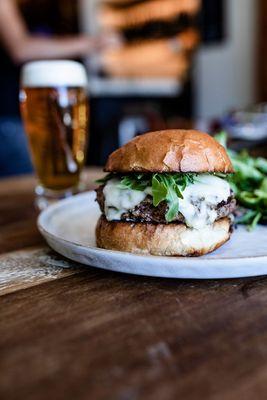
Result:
55,111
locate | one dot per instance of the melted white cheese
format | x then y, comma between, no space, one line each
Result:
197,206
120,200
201,198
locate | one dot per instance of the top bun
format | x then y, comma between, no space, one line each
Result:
174,150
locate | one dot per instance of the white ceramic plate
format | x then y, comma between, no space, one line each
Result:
69,228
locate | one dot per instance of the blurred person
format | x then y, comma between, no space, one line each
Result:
20,42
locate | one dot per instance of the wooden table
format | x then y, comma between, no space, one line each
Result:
83,333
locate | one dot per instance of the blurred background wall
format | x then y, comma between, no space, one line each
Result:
225,73
147,83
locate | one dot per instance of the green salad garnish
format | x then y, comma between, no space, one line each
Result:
249,184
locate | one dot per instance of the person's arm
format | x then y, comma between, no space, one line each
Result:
22,46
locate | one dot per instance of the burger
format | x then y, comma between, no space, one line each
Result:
166,193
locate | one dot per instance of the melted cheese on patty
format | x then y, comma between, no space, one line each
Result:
120,200
198,205
201,198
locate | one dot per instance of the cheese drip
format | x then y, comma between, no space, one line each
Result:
201,198
120,200
198,205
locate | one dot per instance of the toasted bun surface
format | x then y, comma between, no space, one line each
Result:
160,239
174,150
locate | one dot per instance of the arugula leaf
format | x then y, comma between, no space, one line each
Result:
263,186
159,190
246,170
169,188
248,198
249,184
166,188
172,211
247,217
255,221
135,182
221,138
261,164
173,204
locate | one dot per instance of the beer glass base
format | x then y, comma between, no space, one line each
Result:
45,197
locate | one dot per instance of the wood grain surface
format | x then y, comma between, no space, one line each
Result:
69,332
30,267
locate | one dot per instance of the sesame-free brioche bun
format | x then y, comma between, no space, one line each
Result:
161,239
174,150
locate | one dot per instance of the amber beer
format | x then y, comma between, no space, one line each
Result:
54,106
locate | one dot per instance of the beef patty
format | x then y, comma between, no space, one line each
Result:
146,212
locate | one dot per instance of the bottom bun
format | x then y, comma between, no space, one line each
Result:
160,239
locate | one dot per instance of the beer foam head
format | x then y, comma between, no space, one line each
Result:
53,73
